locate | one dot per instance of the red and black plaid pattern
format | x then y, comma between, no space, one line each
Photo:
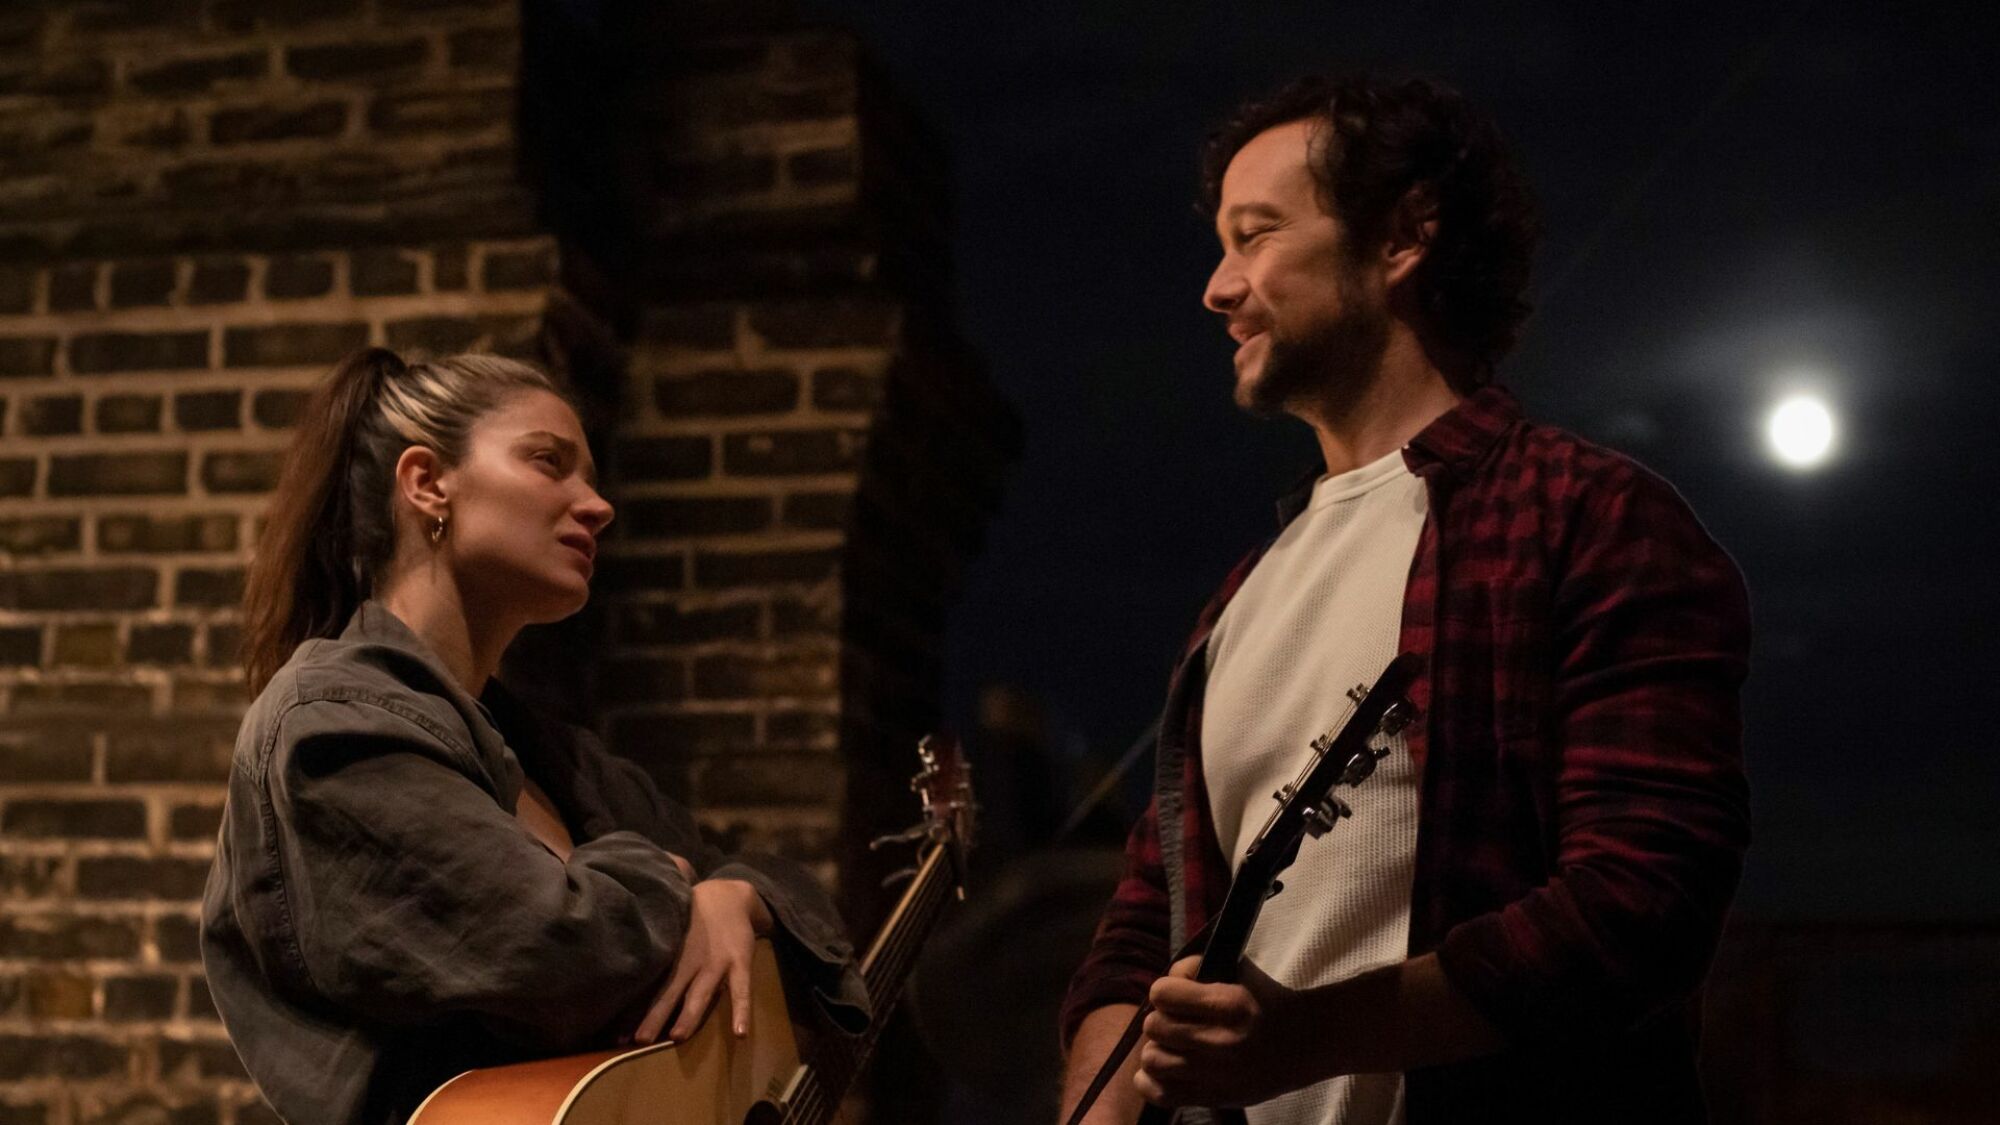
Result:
1583,812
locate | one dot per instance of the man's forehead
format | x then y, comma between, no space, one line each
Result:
1271,168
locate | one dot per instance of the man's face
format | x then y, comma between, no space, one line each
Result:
1305,316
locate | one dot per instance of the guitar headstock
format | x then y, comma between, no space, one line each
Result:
944,784
1345,755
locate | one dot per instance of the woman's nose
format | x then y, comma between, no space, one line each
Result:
596,512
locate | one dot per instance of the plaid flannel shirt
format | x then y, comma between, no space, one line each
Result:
1583,811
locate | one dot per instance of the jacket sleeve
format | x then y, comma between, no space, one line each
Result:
410,893
1651,636
807,919
1129,950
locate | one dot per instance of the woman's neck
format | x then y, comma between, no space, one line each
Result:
439,617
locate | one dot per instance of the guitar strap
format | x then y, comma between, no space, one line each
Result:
1130,1038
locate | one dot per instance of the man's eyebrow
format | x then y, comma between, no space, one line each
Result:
1262,210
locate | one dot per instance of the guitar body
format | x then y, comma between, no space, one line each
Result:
764,1078
712,1079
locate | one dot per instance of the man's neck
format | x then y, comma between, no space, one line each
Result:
1405,393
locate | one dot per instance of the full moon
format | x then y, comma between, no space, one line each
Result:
1800,431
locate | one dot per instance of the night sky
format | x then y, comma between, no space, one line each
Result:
1738,201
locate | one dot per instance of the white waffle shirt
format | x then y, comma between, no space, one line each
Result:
1321,612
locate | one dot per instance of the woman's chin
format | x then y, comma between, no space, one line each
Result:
558,599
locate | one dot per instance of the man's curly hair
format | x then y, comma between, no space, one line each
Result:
1381,140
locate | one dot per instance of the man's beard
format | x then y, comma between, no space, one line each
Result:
1336,362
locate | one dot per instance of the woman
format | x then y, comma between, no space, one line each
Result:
415,874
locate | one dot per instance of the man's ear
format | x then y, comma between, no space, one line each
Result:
1411,228
420,482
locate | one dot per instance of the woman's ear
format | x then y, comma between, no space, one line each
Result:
421,484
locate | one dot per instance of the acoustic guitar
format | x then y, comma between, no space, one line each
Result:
795,1065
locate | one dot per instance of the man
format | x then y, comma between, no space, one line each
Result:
1515,923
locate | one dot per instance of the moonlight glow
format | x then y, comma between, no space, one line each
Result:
1800,431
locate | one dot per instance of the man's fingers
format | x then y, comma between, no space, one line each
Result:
1185,967
1148,1089
694,1008
1228,1004
1188,1037
1162,1072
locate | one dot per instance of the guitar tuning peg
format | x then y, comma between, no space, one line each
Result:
1398,716
1321,817
903,875
1362,765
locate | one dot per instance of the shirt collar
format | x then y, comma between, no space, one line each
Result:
1451,445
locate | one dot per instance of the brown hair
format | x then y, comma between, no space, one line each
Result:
1379,139
330,529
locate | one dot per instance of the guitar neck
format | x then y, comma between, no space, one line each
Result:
886,966
885,969
1223,955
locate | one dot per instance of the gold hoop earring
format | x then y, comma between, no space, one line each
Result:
437,531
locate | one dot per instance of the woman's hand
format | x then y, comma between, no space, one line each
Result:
683,866
727,917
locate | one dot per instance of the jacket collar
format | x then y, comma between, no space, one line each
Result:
1452,445
373,624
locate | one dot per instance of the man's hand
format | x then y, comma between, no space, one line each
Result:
1224,1044
723,926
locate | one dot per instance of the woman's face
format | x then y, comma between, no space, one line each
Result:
524,510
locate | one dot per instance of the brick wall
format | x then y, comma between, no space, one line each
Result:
202,204
805,454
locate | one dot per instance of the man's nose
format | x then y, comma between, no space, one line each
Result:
1225,288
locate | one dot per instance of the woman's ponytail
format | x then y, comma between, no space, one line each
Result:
306,579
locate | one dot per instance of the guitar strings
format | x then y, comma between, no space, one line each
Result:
926,900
